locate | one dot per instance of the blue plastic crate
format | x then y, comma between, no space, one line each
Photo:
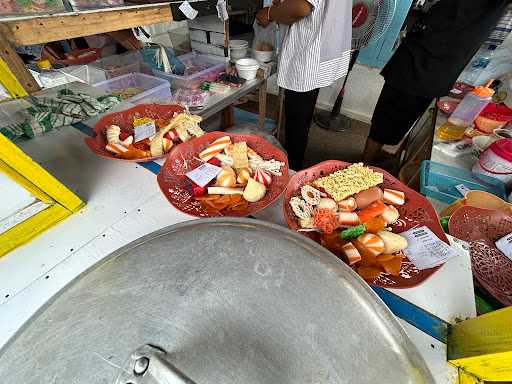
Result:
438,181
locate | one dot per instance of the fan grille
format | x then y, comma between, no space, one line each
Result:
370,20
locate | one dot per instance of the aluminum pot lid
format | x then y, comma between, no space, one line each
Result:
216,301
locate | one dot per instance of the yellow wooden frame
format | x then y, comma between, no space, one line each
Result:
24,171
9,81
482,347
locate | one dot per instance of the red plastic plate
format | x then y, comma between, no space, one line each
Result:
416,211
124,119
176,186
481,228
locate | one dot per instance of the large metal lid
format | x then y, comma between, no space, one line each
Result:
229,301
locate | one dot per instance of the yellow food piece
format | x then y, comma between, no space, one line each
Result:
349,181
240,159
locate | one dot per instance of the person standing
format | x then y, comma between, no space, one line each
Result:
426,65
315,53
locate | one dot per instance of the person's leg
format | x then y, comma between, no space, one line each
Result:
394,115
298,109
371,149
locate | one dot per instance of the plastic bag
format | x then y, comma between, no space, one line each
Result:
162,59
264,37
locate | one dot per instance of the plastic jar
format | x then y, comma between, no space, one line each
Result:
496,161
471,106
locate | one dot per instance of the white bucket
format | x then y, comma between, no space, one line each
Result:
263,56
238,49
496,161
247,68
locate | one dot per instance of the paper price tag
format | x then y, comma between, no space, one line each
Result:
203,174
187,10
222,10
462,189
505,245
143,131
425,249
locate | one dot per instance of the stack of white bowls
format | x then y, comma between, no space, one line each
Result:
247,68
238,49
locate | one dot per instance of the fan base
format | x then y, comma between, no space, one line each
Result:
339,123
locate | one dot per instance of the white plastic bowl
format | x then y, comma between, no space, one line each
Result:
238,49
263,56
247,68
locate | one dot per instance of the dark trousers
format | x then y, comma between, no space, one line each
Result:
298,109
395,113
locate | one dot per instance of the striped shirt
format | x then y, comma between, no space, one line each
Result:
316,49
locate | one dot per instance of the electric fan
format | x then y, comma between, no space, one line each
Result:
370,20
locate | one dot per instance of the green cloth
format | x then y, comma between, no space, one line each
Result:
66,108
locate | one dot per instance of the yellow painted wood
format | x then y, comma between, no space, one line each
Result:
483,346
467,378
9,81
15,158
27,230
19,179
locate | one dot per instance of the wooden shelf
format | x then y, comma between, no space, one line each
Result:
42,29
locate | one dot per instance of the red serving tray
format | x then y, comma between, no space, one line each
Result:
481,228
416,211
184,158
124,119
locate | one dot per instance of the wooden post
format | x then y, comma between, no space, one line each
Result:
227,117
262,104
483,346
14,75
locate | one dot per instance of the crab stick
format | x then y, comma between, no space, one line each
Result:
116,148
347,205
348,218
373,243
394,197
215,148
352,253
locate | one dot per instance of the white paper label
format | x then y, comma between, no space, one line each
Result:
425,249
505,245
203,174
462,189
143,131
187,10
222,10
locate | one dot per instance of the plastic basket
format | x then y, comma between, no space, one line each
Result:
118,65
154,89
439,181
199,68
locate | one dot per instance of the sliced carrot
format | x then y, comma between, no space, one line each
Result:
392,266
374,224
383,258
369,273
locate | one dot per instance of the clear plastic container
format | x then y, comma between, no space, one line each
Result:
118,65
16,7
151,89
466,112
471,106
82,73
82,5
199,68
